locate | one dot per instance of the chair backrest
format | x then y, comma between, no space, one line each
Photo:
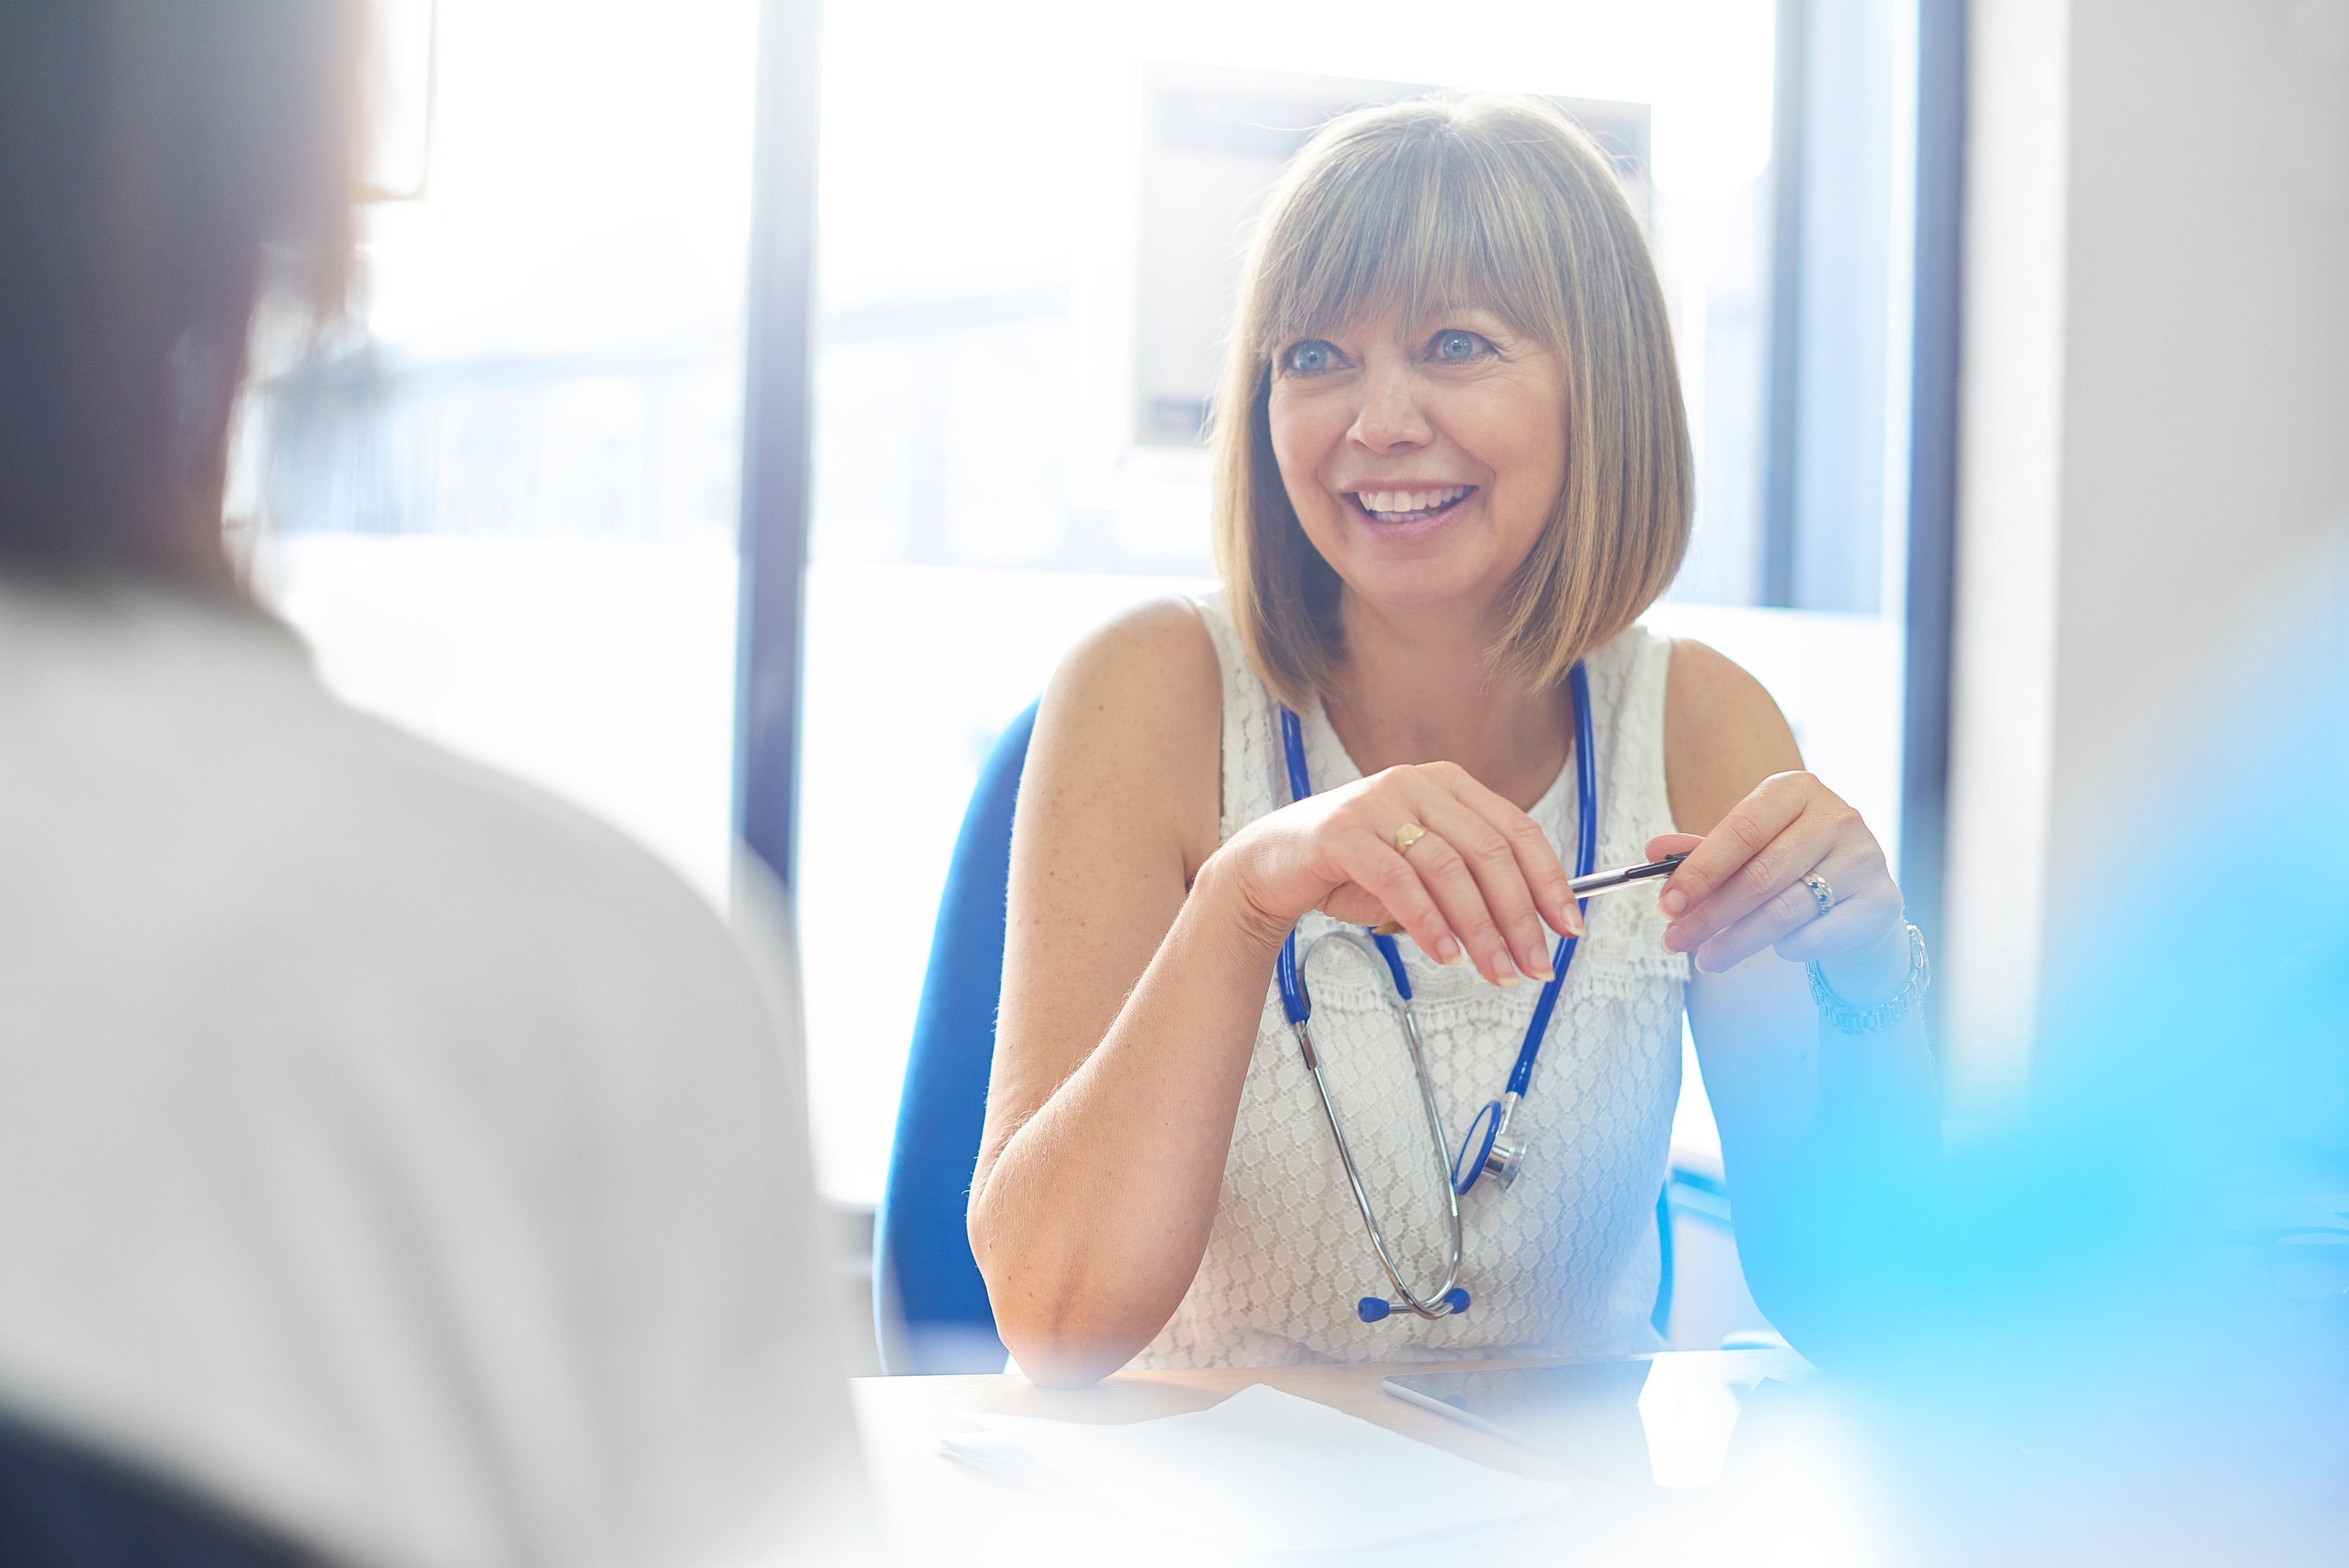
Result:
931,1306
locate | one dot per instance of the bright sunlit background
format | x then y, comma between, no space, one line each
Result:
504,515
997,471
504,510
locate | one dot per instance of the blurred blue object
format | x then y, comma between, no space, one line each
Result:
2120,1314
1659,1316
930,1303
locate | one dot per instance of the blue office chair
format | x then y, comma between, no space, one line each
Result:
930,1308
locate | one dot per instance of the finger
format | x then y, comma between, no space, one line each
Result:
1492,857
1449,881
1774,806
1664,846
1401,893
1774,871
1537,862
1854,922
1788,916
1781,914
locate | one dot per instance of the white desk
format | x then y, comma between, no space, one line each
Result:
938,1511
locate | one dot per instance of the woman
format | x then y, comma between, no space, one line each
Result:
396,1167
1452,463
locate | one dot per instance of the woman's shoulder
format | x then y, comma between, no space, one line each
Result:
1159,658
1723,734
1132,722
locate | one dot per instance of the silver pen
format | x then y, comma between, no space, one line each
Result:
1586,886
1609,881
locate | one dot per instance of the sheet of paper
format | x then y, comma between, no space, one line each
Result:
1263,1471
1690,1404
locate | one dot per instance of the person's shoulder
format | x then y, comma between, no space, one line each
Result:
351,835
1710,688
1151,668
507,841
1131,722
1723,734
285,842
1161,641
521,924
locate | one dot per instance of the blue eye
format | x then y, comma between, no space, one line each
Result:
1311,358
1456,346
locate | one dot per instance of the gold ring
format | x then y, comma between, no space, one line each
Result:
1408,834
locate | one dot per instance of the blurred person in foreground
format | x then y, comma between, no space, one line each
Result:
396,1167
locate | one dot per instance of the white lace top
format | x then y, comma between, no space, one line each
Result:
1564,1261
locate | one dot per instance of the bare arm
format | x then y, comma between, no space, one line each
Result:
1824,1136
1106,954
1137,962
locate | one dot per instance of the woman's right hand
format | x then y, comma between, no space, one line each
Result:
1481,881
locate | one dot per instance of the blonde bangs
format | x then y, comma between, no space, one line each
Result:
1380,227
1500,202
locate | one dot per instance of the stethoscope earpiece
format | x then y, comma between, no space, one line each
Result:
1371,1309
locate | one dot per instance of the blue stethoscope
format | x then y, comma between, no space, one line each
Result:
1495,1157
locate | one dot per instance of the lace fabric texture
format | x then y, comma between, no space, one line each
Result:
1566,1260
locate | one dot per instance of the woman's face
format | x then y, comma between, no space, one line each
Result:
1423,457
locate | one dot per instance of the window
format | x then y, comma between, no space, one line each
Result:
502,507
1029,228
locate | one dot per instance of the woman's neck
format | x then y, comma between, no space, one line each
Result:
1415,689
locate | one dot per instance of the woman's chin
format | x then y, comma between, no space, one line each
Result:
1424,584
1420,566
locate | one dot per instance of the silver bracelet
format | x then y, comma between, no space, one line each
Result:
1869,1020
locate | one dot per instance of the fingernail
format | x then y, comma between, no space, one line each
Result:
1674,901
1447,953
1506,973
1673,939
1542,971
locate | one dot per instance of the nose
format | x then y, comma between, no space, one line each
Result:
1390,419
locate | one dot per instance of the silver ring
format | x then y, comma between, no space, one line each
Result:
1821,893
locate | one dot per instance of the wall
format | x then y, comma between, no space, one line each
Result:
2155,426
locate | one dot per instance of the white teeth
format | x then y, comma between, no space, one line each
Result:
1405,501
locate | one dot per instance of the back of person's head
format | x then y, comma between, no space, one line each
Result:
164,168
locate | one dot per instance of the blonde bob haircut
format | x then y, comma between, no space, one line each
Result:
1490,200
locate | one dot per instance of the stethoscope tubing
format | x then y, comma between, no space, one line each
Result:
1438,1301
1496,1114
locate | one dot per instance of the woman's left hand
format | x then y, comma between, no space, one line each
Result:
1742,889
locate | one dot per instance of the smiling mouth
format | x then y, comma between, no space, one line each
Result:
1392,506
